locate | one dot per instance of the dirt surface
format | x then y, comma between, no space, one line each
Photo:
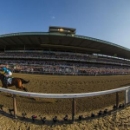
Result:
109,122
66,84
60,107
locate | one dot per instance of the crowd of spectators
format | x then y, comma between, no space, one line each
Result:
65,56
63,63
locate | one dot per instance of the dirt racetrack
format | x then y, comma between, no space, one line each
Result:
66,84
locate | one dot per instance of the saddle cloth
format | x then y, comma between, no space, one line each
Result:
9,80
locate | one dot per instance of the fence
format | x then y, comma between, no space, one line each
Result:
72,96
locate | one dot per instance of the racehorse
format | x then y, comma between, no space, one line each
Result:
17,82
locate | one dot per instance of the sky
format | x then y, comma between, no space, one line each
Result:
107,20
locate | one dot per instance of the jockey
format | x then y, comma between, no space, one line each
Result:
7,74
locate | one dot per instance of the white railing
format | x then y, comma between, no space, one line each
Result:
73,96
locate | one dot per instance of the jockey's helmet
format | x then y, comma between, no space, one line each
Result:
4,68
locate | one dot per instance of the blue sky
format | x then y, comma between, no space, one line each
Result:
102,19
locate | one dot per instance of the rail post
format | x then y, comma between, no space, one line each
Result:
127,96
15,106
73,109
117,99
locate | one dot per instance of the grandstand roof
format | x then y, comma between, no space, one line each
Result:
61,42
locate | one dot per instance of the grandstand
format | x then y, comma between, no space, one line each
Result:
61,51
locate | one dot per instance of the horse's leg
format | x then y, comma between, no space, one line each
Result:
20,86
24,89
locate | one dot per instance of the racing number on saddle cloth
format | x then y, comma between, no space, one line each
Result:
9,80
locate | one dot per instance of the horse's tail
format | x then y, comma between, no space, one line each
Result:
24,81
